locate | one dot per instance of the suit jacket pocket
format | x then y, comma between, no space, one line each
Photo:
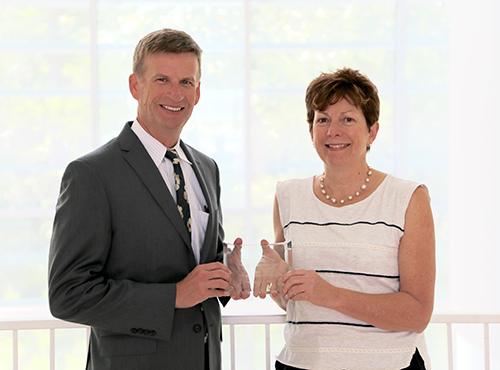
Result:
126,345
199,229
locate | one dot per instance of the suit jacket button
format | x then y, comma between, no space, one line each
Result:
196,328
133,330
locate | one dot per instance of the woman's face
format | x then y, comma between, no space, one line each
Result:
341,136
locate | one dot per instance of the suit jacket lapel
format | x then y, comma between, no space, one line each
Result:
201,175
138,158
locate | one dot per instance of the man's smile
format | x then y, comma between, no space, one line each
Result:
171,109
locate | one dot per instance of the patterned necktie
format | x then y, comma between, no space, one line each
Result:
180,189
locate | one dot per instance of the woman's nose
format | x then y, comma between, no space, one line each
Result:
333,129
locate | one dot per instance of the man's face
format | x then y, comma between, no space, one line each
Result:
167,91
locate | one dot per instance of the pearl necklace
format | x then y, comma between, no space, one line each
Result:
349,197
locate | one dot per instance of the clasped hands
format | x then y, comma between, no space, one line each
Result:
270,275
273,275
216,279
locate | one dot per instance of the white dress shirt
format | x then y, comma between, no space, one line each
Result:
197,203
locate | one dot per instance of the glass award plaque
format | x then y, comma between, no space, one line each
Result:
258,269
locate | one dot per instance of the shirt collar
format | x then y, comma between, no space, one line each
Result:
156,149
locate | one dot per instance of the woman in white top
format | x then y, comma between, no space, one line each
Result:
360,290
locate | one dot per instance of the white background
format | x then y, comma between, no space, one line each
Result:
63,86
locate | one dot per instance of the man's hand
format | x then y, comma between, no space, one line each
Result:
239,282
205,281
269,272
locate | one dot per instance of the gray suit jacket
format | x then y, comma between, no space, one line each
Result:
119,247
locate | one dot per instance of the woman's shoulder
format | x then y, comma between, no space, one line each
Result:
398,183
401,189
293,184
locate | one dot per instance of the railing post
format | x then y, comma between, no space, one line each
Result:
486,328
268,347
15,350
450,345
231,344
52,348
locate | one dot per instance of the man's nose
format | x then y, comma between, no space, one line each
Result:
174,92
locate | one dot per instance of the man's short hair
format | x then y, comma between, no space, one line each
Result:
165,41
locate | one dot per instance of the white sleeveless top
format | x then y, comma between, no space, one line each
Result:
353,247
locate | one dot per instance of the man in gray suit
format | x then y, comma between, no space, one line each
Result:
137,239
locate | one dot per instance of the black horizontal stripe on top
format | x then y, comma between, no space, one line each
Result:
358,273
343,224
329,323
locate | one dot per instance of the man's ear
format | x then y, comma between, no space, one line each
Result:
133,86
197,93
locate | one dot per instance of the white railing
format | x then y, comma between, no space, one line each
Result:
52,325
485,320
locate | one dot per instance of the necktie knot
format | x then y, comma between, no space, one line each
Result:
172,155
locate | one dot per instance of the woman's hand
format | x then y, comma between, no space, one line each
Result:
306,285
